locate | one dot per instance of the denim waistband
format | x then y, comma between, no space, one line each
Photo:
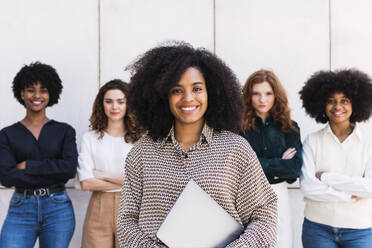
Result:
42,191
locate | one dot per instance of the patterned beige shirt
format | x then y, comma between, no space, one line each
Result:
222,163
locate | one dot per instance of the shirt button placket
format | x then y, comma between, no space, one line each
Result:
186,163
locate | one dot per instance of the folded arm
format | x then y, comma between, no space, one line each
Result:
94,184
10,175
63,167
360,186
113,178
283,168
91,179
311,186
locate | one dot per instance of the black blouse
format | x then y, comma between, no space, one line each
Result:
269,143
49,160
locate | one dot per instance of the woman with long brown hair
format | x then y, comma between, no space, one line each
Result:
275,138
101,162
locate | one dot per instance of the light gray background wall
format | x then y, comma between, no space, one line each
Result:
91,41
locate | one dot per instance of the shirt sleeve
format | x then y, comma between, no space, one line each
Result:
356,185
86,164
9,174
311,186
129,233
286,169
256,204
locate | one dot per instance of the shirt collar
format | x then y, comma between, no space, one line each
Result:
205,137
269,120
356,131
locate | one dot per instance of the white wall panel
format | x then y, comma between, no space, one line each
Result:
290,37
129,28
351,34
352,38
63,34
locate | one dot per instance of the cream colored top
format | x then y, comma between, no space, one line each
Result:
107,154
347,170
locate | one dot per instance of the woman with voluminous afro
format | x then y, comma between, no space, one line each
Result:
354,84
189,102
336,177
158,70
38,72
37,157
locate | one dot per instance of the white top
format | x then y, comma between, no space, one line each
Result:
106,154
347,170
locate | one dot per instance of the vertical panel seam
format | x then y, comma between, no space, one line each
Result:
214,26
330,32
99,44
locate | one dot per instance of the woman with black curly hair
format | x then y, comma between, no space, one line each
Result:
37,157
189,102
336,177
101,169
275,138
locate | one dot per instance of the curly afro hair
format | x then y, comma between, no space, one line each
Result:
157,70
35,73
354,84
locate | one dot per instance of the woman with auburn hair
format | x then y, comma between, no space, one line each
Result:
336,177
189,102
275,138
101,162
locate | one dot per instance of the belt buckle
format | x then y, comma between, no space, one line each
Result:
40,192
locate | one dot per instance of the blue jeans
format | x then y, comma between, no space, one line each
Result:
50,217
315,235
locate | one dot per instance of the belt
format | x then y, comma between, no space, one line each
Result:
42,191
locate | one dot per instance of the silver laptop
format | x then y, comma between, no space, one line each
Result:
198,221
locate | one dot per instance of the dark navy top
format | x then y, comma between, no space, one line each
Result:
269,143
51,159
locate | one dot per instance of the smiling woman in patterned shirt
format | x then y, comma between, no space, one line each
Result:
189,102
